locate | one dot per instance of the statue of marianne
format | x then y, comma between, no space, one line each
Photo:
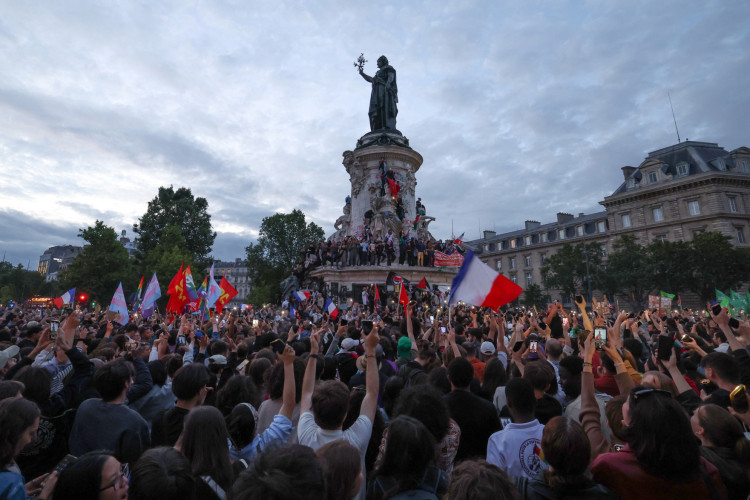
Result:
384,96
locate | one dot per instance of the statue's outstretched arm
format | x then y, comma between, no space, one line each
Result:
366,77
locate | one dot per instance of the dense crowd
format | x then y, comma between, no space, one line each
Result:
426,402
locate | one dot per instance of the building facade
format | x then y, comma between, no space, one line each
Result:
236,274
674,194
56,259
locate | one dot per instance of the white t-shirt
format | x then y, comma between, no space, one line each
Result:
513,449
358,435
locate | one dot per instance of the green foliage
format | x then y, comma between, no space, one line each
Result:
281,241
715,263
165,260
101,265
16,283
566,270
628,272
533,295
178,209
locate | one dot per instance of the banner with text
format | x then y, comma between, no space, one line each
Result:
444,260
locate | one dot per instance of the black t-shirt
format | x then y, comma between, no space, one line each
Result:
167,427
477,419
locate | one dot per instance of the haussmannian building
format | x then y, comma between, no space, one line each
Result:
674,194
236,274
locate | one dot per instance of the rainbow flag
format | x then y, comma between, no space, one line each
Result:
137,303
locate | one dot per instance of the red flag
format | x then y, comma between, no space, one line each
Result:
403,297
177,292
227,292
178,279
395,188
377,298
422,285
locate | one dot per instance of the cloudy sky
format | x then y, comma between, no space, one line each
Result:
520,109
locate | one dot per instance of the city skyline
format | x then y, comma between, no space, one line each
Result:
520,111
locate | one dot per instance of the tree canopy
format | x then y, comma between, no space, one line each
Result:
566,269
102,264
16,283
178,209
281,240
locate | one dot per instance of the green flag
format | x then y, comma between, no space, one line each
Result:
737,302
722,299
667,295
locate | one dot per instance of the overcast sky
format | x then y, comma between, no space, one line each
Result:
520,109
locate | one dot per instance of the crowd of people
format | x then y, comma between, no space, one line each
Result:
417,402
367,250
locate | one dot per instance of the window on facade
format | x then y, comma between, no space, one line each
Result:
499,264
528,279
579,230
661,237
733,204
604,251
512,262
658,216
694,208
543,237
543,257
513,243
527,241
682,170
601,226
625,220
631,183
561,234
527,260
652,178
486,248
720,164
740,235
514,279
745,166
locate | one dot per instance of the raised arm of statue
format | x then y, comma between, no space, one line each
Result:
366,77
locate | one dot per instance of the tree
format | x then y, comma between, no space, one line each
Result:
668,265
567,269
281,240
166,258
101,266
181,209
628,272
533,295
16,283
715,263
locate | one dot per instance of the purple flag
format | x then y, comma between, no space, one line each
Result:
153,292
119,305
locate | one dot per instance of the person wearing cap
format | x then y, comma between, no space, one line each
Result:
359,377
346,359
403,351
488,350
5,359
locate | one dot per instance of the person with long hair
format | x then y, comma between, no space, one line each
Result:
93,476
408,463
662,457
19,421
343,470
567,451
723,443
205,443
162,474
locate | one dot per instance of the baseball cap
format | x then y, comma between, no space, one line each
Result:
349,344
487,348
218,359
6,354
404,347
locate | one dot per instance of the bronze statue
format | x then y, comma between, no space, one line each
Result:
384,95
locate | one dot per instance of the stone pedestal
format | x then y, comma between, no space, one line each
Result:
372,204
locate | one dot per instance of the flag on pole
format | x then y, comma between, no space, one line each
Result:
153,292
301,295
227,293
65,298
177,293
478,284
722,299
201,304
416,222
459,240
192,292
137,303
214,290
423,285
119,305
403,297
377,298
333,311
667,295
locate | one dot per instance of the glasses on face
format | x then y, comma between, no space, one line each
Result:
121,480
645,392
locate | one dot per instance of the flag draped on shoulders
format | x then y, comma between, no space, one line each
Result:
65,298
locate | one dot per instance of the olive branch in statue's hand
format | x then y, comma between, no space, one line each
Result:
360,62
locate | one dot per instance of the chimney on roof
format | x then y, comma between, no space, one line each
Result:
628,171
489,234
562,217
580,214
532,224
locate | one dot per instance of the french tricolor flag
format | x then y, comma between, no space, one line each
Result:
333,311
301,295
478,284
65,298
